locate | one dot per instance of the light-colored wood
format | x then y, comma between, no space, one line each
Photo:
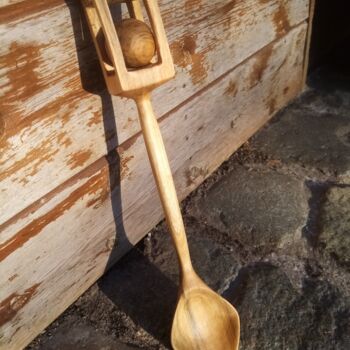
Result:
164,180
135,9
308,39
73,228
203,319
52,107
139,48
120,80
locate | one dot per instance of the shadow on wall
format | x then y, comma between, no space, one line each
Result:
139,289
92,81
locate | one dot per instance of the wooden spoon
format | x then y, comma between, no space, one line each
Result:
203,320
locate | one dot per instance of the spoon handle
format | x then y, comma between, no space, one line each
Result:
163,177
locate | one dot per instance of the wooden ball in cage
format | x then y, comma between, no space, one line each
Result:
137,42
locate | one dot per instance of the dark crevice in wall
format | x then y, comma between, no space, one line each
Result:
331,35
329,68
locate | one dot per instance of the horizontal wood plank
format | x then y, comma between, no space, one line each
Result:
55,249
55,115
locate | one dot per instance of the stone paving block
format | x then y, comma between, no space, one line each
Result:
335,224
275,316
309,139
261,207
214,262
323,101
81,336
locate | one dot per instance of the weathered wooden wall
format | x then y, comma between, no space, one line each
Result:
76,190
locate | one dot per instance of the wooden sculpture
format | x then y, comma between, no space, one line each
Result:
203,319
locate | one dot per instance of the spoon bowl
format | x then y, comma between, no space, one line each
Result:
204,320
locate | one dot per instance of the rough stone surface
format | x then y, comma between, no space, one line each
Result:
217,263
301,136
274,315
75,335
335,225
254,204
270,230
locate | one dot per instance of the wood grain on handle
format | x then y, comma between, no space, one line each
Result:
2,126
164,179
